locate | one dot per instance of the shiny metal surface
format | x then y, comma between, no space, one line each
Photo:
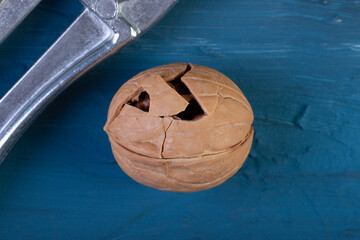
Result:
12,12
102,28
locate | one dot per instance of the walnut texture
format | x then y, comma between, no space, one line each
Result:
179,127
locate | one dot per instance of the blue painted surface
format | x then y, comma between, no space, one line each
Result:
297,61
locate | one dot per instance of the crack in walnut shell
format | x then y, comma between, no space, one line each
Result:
180,127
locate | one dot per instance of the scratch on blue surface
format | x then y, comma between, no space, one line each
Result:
353,47
298,118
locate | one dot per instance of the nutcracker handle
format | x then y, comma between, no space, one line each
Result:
85,43
101,30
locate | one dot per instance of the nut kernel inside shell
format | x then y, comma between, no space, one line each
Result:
180,113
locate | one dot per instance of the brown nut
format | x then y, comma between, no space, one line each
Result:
179,127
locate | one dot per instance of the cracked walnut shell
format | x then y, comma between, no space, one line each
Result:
179,127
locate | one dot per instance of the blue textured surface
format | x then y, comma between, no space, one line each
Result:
297,61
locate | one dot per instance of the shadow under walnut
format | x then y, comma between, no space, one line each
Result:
179,127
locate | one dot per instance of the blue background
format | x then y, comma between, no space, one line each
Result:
298,63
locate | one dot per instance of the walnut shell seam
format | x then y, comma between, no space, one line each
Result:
248,136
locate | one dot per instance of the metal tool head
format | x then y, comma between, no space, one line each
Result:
139,14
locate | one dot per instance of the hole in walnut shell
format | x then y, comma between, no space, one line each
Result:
142,103
193,111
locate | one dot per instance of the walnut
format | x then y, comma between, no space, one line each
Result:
179,127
